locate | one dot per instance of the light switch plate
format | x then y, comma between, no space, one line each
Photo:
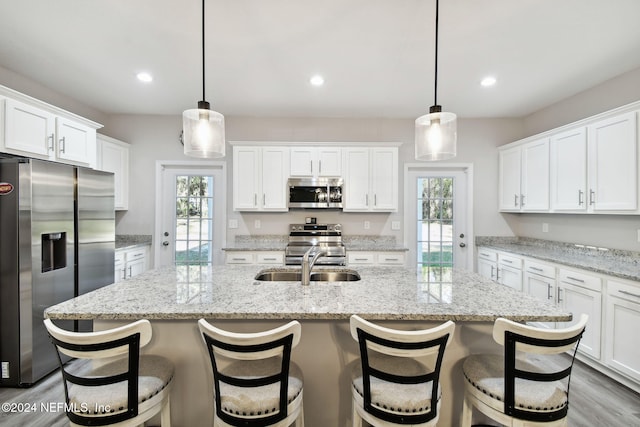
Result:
367,225
545,227
257,224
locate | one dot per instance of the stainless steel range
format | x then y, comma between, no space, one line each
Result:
328,237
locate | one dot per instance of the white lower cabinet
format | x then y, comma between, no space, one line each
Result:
487,263
501,267
580,292
539,280
130,262
254,257
622,352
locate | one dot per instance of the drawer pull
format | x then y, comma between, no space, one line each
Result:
239,259
536,269
508,260
631,294
573,278
269,259
361,259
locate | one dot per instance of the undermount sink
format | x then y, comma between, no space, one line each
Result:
316,276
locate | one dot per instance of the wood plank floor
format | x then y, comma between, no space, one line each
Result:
596,401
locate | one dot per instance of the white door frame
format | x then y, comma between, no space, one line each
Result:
409,212
219,226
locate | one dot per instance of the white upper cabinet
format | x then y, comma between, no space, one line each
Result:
524,177
589,166
613,172
314,162
113,156
38,130
370,179
260,178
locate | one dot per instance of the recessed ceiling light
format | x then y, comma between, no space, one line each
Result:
317,80
488,81
144,77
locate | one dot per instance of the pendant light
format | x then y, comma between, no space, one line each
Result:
435,133
203,128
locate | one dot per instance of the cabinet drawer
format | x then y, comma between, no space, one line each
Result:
626,291
487,255
270,258
541,269
579,278
239,258
119,257
510,261
136,254
360,258
391,258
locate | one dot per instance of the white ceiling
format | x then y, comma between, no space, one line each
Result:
376,55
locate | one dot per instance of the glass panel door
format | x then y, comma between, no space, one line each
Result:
193,219
435,218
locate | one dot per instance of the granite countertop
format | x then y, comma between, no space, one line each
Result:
230,292
128,241
611,262
279,243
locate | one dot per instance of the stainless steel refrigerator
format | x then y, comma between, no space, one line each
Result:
57,241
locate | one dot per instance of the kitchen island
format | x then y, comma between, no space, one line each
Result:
174,298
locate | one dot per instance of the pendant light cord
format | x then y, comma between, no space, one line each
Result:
203,98
435,88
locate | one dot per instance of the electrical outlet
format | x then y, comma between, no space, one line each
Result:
233,223
395,225
256,224
367,225
639,235
545,227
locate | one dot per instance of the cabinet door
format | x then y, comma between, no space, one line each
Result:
114,157
302,159
510,277
356,179
384,179
487,268
509,179
76,142
135,267
569,170
275,165
329,162
29,130
623,318
613,164
535,176
542,288
578,300
247,171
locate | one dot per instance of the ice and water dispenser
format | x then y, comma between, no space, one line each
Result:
54,251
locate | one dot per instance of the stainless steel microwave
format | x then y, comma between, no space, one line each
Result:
315,193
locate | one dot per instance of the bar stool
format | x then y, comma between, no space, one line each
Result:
127,390
255,383
389,386
517,392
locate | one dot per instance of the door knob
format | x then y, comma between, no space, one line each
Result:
462,235
462,245
165,243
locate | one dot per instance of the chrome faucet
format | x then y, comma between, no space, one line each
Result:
308,265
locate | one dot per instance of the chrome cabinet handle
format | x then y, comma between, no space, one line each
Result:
629,293
515,200
62,144
592,196
255,199
51,138
535,269
577,280
522,200
549,291
559,294
580,196
319,166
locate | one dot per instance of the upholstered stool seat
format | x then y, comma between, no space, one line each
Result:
391,396
259,400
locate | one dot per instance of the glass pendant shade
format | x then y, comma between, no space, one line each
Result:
203,132
436,135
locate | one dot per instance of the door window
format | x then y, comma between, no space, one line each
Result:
193,219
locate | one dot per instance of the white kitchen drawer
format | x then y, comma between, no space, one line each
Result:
270,258
510,261
487,254
119,257
360,258
579,278
239,258
540,269
134,254
390,258
623,290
